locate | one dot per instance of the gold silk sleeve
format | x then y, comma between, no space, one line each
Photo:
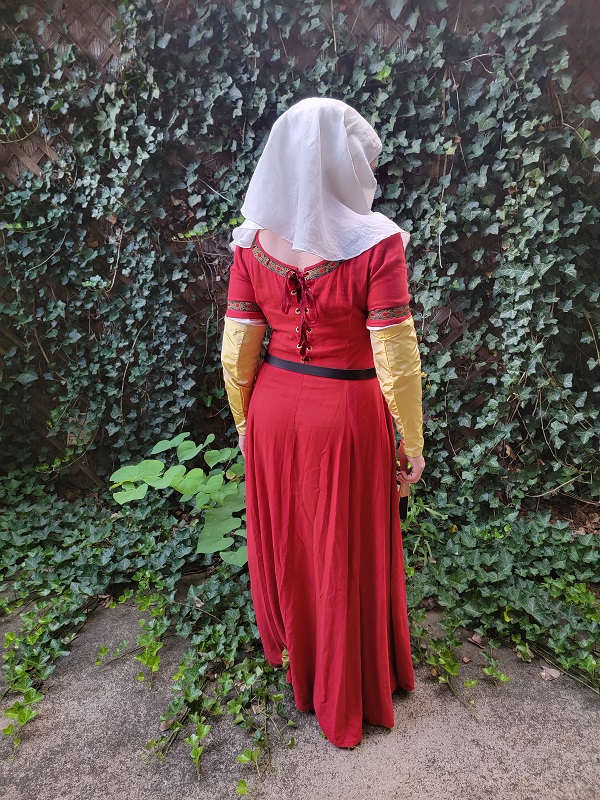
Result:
398,367
239,357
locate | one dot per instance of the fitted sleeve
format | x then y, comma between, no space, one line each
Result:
241,300
243,334
394,342
240,353
388,298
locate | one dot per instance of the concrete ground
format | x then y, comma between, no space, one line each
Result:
527,739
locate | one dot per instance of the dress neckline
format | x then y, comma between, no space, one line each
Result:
282,263
281,268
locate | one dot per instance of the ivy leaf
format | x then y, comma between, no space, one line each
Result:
168,444
191,483
26,378
131,492
553,29
237,557
486,123
212,544
22,13
395,7
213,457
565,81
148,469
188,450
412,19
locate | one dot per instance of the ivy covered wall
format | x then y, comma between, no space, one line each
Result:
488,161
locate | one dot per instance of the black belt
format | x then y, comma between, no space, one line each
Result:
321,372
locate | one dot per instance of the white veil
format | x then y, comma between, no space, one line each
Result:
313,185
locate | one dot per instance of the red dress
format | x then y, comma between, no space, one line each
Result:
324,542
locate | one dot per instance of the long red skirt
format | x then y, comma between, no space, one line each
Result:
325,547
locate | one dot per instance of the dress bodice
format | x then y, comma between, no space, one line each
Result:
321,314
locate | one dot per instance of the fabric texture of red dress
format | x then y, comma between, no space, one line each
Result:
324,542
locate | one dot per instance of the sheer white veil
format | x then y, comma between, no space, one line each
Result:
313,185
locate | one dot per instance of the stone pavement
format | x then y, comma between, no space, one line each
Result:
528,739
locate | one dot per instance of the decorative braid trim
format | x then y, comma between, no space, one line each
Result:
243,305
322,269
281,269
389,313
267,262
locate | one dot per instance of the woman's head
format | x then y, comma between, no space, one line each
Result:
314,185
330,113
331,141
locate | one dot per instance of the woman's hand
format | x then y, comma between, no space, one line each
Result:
417,465
242,444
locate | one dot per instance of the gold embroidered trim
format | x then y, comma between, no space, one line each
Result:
243,305
322,269
389,313
284,270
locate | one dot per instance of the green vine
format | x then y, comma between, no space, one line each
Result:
487,159
528,583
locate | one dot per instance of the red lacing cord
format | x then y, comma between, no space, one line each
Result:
297,285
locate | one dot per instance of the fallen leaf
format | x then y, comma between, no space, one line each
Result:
549,674
476,640
466,659
198,603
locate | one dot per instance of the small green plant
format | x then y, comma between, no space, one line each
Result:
21,712
492,667
424,522
443,662
218,494
193,740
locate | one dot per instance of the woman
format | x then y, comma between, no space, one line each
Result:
328,275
